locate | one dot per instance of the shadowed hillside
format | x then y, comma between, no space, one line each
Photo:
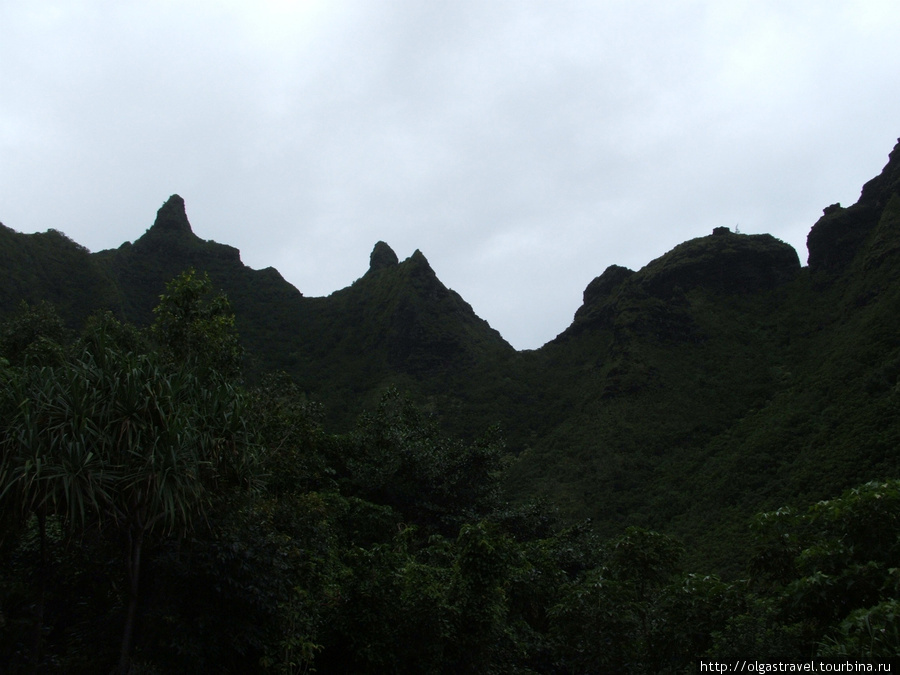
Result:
723,379
719,380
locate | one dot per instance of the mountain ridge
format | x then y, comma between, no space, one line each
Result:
723,369
171,236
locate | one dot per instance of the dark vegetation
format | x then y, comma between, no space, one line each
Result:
701,466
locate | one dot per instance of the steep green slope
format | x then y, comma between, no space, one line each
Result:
50,266
397,325
834,422
722,379
655,363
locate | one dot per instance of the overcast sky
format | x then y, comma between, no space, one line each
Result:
523,146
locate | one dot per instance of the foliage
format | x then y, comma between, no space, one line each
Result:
194,329
390,548
35,334
398,458
832,570
115,440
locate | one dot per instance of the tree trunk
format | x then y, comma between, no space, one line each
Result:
135,543
38,637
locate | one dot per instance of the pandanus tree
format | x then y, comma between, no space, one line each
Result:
121,438
151,436
48,463
136,442
49,460
172,436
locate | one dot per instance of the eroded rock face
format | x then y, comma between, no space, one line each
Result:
172,216
382,257
737,263
603,286
877,192
837,236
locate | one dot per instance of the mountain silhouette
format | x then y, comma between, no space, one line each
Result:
721,379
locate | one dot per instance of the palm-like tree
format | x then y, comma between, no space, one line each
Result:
133,442
48,459
164,432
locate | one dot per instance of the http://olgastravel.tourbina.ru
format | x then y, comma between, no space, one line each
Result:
804,667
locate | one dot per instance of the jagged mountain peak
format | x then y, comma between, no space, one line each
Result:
382,257
172,217
172,237
837,236
419,258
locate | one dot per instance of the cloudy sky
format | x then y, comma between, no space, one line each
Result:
522,145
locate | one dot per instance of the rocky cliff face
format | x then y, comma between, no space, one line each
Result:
723,263
382,257
602,288
172,217
837,236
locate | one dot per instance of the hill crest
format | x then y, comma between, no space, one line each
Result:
722,370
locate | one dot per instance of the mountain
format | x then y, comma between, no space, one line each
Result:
721,379
396,325
50,266
268,309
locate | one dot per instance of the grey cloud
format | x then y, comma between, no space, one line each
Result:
522,146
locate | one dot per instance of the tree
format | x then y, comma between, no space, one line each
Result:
830,571
136,441
170,439
400,458
607,620
193,327
35,334
49,464
478,596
